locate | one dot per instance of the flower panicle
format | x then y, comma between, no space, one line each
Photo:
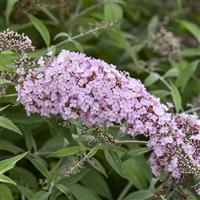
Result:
72,85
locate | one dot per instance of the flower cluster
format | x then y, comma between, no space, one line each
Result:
178,150
14,41
73,86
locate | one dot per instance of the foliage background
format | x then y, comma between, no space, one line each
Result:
117,32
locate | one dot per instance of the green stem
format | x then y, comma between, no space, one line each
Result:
130,142
90,31
125,191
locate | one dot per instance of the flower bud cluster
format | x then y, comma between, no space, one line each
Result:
14,41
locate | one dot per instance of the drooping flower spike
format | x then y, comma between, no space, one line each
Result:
73,86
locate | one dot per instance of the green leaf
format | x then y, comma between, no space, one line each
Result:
29,139
118,39
186,74
190,195
40,165
3,108
97,183
63,189
8,164
97,165
5,179
9,8
138,151
190,52
160,93
152,78
42,29
68,151
8,146
152,24
108,147
173,72
113,11
24,177
176,97
8,124
82,193
192,28
139,195
5,65
77,45
62,34
51,146
26,192
114,161
5,193
19,117
42,195
134,172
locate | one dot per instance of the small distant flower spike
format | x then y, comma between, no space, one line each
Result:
165,43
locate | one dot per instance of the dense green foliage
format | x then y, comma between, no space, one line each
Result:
156,41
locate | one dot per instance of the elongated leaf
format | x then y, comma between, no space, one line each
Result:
190,52
8,146
190,195
29,139
8,164
42,195
152,24
192,28
77,45
82,193
5,193
8,124
5,65
138,151
97,183
139,195
134,172
42,29
63,189
97,165
108,147
62,34
51,145
173,72
3,108
186,74
114,161
160,93
152,78
28,193
176,97
5,179
9,8
112,11
25,177
40,165
68,151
